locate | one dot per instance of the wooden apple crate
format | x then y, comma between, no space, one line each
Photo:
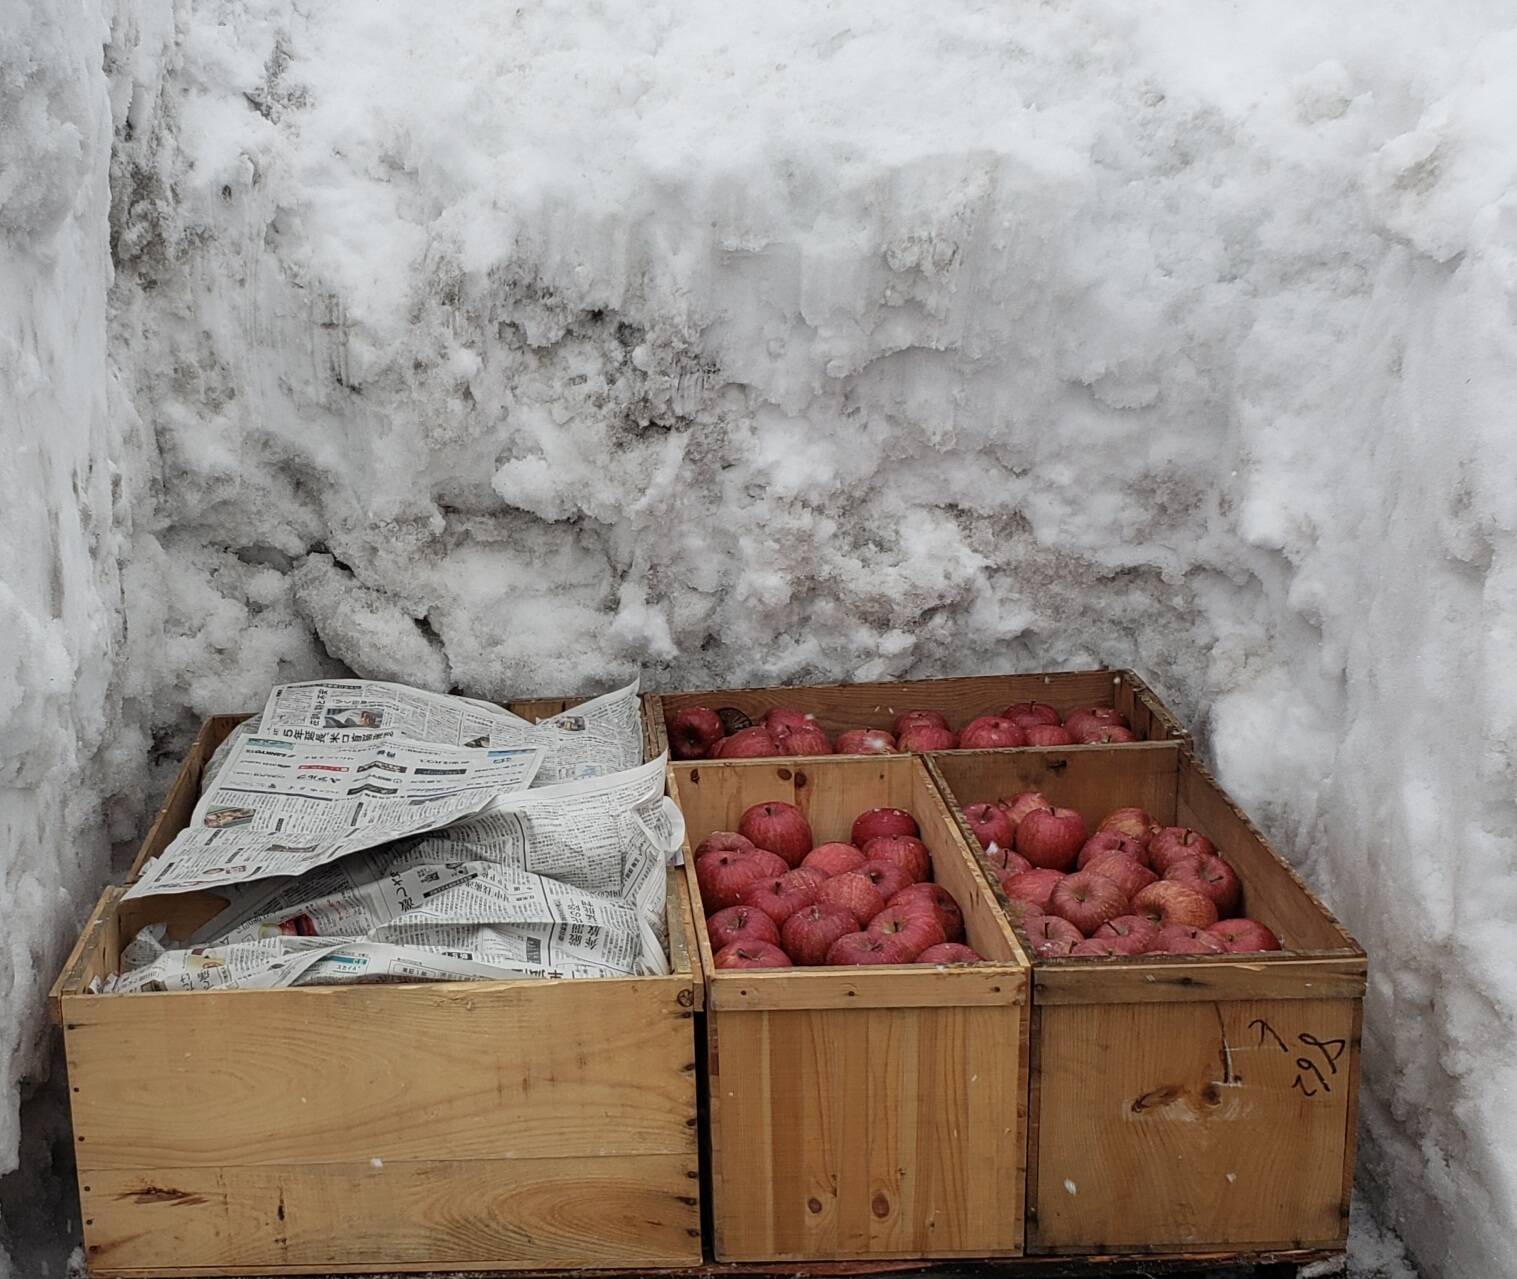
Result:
1184,1103
961,699
446,1126
862,1112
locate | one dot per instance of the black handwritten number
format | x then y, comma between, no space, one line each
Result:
1266,1029
1307,1069
1301,1084
1331,1049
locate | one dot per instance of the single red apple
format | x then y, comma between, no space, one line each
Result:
780,720
1019,910
751,954
949,952
805,741
1076,719
1098,946
941,900
1171,844
1132,934
887,876
916,929
723,841
1178,939
737,923
809,933
807,877
990,825
1122,870
910,719
1170,903
1035,886
1051,837
1002,861
781,828
693,732
990,732
1027,714
1107,841
723,876
853,892
866,948
1212,877
864,741
909,854
1244,936
1051,936
776,898
833,859
1089,734
1048,735
927,737
1132,822
772,864
1087,900
1019,805
882,821
747,743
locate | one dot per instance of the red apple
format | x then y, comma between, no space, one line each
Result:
772,864
1048,735
1178,939
1005,862
854,893
867,948
1050,837
990,824
693,732
1089,734
909,854
776,898
927,737
1035,886
1171,844
1094,715
1019,911
747,743
741,923
941,900
882,821
1170,903
1212,877
833,859
1106,841
751,954
887,876
1132,934
781,828
723,841
809,933
780,720
1087,900
1097,946
1019,805
1132,822
805,741
910,719
1051,936
1122,870
949,952
990,732
1027,714
1244,936
864,741
916,928
723,876
807,877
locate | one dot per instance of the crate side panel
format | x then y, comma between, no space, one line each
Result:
1192,1125
496,1214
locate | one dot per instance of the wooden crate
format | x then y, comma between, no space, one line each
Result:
446,1126
862,1112
840,706
1184,1103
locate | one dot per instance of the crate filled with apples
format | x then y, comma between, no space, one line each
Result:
971,713
865,1016
1196,1008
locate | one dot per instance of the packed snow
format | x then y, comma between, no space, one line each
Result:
522,349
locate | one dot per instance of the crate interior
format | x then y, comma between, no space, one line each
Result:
842,706
1162,779
832,792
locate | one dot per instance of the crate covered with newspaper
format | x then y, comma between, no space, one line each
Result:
415,959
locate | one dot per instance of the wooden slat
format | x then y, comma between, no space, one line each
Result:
889,986
470,1214
184,794
1184,1124
1189,979
93,956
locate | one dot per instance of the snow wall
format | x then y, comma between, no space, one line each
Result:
520,349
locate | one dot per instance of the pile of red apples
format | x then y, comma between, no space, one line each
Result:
1134,887
726,733
775,899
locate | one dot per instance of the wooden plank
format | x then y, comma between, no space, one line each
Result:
456,1214
184,794
888,986
1179,1125
875,1133
1151,719
339,1074
1193,978
94,954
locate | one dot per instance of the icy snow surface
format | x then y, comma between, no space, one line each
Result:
519,348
